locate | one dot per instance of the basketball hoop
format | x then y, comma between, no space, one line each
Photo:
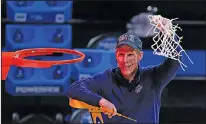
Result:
17,58
166,41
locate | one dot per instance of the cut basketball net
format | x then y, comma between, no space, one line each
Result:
166,41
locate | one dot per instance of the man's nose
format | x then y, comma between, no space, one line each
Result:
125,59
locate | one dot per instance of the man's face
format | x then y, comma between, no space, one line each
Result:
127,59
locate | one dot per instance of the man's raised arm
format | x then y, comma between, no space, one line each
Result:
165,72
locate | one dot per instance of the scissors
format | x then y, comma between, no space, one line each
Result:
118,114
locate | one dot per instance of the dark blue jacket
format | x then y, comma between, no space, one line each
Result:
140,99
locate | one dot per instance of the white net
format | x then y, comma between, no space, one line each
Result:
166,41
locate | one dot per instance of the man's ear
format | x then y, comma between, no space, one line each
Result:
141,55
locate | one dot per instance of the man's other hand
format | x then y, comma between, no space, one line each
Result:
107,108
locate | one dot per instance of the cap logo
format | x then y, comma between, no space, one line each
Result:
140,45
131,38
127,37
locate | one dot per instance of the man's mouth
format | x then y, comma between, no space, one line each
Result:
127,67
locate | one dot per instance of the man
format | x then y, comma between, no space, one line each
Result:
128,89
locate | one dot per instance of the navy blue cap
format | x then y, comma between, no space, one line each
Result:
131,40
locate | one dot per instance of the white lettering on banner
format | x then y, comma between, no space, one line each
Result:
38,89
37,17
20,17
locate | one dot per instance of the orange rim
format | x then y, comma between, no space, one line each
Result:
7,60
21,54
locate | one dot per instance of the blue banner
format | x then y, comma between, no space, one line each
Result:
198,69
39,11
38,36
